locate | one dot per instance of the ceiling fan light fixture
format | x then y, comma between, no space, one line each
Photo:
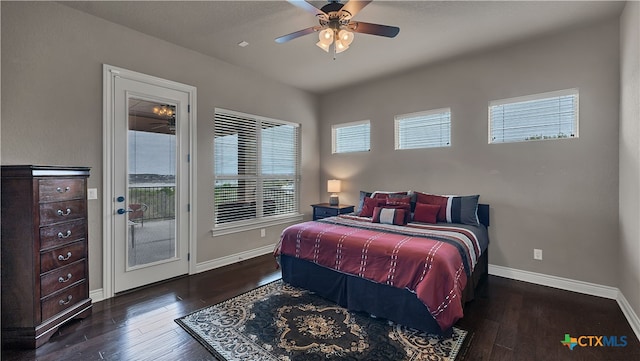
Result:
335,25
326,36
323,46
346,37
341,46
164,110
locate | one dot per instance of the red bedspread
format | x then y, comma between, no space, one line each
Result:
424,260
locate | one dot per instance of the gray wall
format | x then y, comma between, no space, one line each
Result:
560,196
629,255
52,60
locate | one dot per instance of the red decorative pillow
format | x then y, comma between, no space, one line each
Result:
401,203
437,200
389,216
369,205
426,213
385,195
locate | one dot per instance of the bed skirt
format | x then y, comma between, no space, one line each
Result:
359,294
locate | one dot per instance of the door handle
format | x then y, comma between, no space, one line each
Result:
123,211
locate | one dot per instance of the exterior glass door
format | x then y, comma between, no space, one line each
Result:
150,183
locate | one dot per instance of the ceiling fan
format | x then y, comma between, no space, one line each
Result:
335,25
169,125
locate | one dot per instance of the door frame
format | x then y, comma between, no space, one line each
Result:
110,73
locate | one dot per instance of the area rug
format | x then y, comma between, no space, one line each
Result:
280,322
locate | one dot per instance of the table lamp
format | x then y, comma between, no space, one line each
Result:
333,187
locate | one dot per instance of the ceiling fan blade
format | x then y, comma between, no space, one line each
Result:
307,7
297,34
374,29
354,6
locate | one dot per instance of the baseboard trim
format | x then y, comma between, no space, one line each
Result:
567,284
237,257
96,295
629,313
556,282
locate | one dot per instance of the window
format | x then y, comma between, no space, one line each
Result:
256,167
428,129
351,137
551,115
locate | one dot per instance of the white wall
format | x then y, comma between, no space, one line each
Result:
52,60
629,253
560,196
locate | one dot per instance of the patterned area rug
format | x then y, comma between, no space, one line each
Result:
280,322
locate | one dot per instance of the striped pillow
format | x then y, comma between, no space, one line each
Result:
463,209
402,202
453,209
389,216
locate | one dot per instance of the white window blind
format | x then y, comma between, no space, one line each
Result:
429,129
351,137
256,167
552,115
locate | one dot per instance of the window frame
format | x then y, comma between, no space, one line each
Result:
334,138
532,97
261,221
399,118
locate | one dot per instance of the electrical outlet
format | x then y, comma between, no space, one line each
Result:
263,232
537,254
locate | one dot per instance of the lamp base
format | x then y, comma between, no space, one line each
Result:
333,200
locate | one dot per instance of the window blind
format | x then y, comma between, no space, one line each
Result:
351,137
551,115
427,129
256,167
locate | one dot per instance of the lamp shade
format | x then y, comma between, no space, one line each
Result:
346,37
333,186
323,46
340,46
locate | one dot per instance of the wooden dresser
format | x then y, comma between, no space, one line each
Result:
45,275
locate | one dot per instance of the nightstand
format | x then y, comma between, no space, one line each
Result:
324,210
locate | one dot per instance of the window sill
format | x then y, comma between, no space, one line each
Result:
254,224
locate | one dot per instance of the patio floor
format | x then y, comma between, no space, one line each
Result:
151,242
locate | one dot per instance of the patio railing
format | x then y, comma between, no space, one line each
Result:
160,201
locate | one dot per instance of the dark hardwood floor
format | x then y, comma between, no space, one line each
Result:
508,320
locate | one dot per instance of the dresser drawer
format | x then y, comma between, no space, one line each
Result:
62,256
60,301
61,278
62,234
53,190
62,211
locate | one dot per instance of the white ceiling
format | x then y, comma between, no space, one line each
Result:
430,31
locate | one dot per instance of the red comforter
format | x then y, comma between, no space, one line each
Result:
425,259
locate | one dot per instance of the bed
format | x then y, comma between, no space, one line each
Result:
417,274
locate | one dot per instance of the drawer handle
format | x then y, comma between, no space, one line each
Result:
63,258
61,213
63,190
63,302
62,280
61,235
